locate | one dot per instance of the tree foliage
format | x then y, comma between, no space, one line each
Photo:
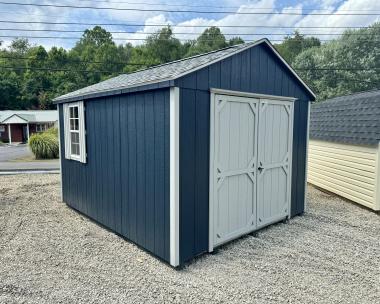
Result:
296,44
32,76
342,66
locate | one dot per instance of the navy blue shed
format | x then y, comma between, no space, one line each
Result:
183,157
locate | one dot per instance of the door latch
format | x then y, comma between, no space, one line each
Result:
260,168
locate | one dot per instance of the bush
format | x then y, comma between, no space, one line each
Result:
53,131
44,145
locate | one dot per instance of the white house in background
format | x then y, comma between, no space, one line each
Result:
344,150
16,126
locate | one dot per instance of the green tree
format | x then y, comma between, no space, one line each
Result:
344,65
295,44
10,91
20,46
36,79
163,46
235,41
211,39
97,53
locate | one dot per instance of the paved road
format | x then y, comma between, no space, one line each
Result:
8,153
25,166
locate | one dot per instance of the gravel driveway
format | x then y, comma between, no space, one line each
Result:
51,254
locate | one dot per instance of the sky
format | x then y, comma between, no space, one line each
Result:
150,21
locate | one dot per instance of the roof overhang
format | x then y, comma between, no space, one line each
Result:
14,119
161,83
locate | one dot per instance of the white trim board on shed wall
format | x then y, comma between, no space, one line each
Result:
174,176
351,171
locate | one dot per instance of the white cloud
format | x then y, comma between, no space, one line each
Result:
176,20
349,6
233,19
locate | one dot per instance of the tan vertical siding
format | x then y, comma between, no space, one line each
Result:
350,171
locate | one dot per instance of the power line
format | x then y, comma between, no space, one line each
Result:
214,6
112,72
144,39
59,70
182,26
73,61
338,69
185,11
146,64
184,33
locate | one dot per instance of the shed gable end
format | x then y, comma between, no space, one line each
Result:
256,70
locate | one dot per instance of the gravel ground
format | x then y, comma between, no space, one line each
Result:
51,254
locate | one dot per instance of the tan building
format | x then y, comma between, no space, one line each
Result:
344,151
17,126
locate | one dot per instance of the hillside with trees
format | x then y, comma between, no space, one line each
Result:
31,76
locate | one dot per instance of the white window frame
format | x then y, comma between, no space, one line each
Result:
40,128
81,131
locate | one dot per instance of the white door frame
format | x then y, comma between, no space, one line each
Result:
214,92
290,154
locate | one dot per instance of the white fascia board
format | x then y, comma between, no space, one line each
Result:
174,176
14,119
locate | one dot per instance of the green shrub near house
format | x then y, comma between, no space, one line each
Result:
53,131
45,145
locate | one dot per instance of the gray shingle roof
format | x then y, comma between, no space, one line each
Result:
156,74
31,115
353,119
165,72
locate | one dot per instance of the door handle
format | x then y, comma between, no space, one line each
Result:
260,168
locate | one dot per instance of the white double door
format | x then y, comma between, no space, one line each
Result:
250,174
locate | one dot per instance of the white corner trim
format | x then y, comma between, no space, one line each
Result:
290,161
60,150
174,176
307,150
377,180
211,181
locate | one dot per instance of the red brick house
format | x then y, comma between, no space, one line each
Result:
17,126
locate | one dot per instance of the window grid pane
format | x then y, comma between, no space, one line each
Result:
74,124
74,131
74,137
74,112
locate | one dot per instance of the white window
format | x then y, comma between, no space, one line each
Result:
40,127
74,126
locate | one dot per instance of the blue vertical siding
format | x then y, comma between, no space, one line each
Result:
194,172
255,70
125,183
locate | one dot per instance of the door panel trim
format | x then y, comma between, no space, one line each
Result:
213,106
288,155
253,95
